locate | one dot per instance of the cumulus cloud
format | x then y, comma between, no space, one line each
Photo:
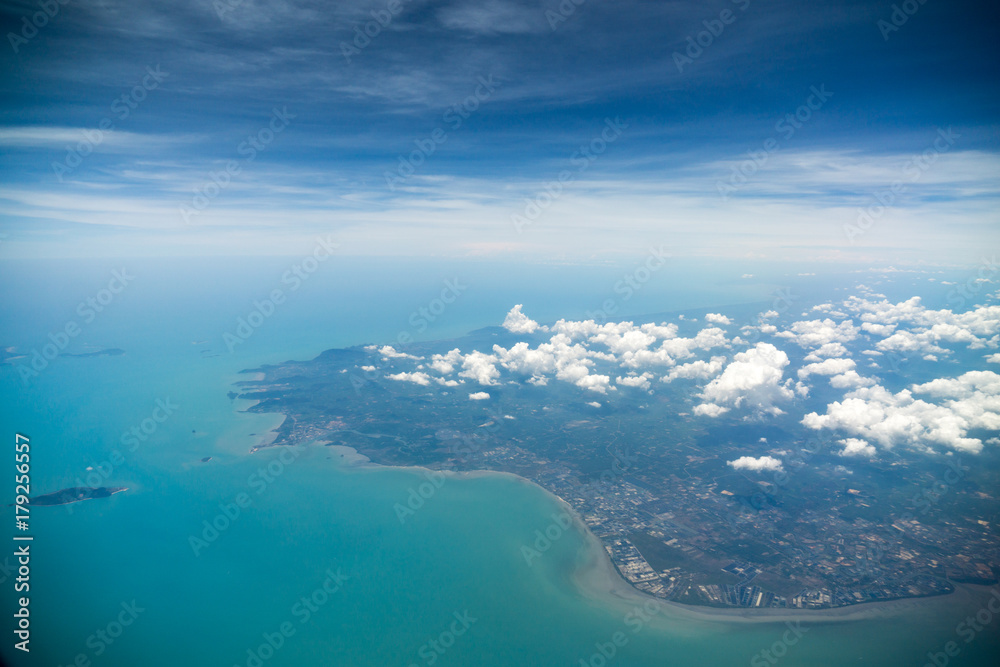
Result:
716,318
757,465
672,349
850,380
478,396
710,410
598,383
518,322
856,447
445,363
696,370
416,378
640,381
827,367
816,333
480,367
878,329
522,359
928,329
389,352
621,342
753,380
971,401
827,350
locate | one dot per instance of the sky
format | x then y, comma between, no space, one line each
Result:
837,132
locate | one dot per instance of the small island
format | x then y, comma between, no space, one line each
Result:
109,352
76,494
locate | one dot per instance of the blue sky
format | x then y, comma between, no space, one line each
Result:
578,135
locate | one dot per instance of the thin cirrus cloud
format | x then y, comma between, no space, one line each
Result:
355,119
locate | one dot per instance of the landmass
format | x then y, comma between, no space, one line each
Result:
109,352
76,494
650,479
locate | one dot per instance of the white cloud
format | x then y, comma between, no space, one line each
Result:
971,401
445,363
929,328
710,410
993,358
672,349
827,350
521,359
417,378
640,381
850,380
518,322
816,333
716,318
389,352
753,380
827,367
480,367
598,383
696,370
856,447
757,465
478,396
878,329
594,404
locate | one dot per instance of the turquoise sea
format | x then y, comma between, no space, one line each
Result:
116,581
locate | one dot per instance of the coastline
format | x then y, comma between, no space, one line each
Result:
598,580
